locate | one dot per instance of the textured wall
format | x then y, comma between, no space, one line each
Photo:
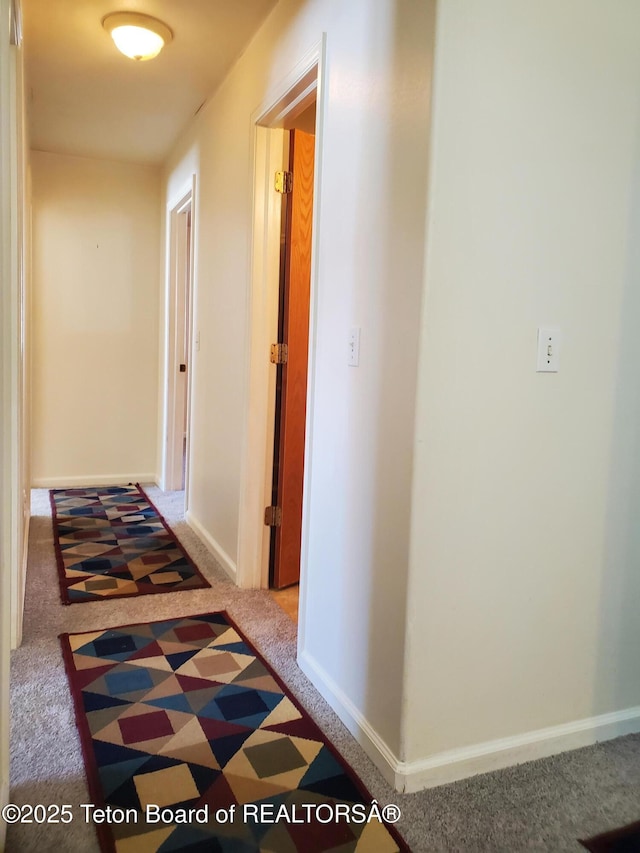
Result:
96,251
370,257
525,545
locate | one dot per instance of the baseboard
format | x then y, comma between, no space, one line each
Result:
457,764
17,616
368,738
88,480
217,550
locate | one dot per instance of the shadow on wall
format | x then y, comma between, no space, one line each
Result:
617,678
388,295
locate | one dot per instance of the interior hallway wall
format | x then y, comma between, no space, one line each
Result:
370,256
14,276
526,544
96,252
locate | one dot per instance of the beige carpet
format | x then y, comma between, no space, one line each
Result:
542,805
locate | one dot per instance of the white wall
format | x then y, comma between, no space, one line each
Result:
13,426
525,537
21,259
370,257
96,243
6,483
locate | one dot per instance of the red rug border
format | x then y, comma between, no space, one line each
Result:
64,598
105,837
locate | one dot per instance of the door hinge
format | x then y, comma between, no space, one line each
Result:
183,368
273,516
279,353
284,182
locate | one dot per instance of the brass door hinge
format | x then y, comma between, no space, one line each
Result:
279,353
284,182
273,516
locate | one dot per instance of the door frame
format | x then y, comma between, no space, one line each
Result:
173,429
303,85
291,378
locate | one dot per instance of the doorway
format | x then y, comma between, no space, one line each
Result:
302,87
292,360
179,347
291,352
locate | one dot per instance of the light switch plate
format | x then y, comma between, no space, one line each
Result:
353,359
548,350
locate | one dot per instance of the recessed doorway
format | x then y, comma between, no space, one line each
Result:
301,92
291,356
179,346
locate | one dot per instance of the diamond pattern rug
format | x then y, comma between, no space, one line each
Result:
183,723
112,542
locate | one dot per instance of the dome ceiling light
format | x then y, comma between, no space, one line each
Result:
138,36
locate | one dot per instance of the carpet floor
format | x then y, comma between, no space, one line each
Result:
541,806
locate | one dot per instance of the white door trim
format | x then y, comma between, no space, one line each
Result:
292,96
173,427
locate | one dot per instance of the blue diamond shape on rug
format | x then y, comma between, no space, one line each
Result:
204,777
239,705
161,628
112,776
128,682
132,530
92,511
324,766
98,565
98,702
338,787
238,648
178,702
111,753
224,748
118,644
115,645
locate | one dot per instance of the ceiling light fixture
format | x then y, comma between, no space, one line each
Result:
136,35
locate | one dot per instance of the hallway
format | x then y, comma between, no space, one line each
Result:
543,805
46,760
457,619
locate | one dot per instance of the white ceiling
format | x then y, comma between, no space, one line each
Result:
86,98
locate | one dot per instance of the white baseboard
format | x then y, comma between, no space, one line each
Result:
17,615
217,550
457,764
88,480
354,720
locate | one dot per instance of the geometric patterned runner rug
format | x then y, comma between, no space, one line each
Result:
192,743
112,542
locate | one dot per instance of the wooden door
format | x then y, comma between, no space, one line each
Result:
291,399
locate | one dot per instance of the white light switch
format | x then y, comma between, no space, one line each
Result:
354,347
548,350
